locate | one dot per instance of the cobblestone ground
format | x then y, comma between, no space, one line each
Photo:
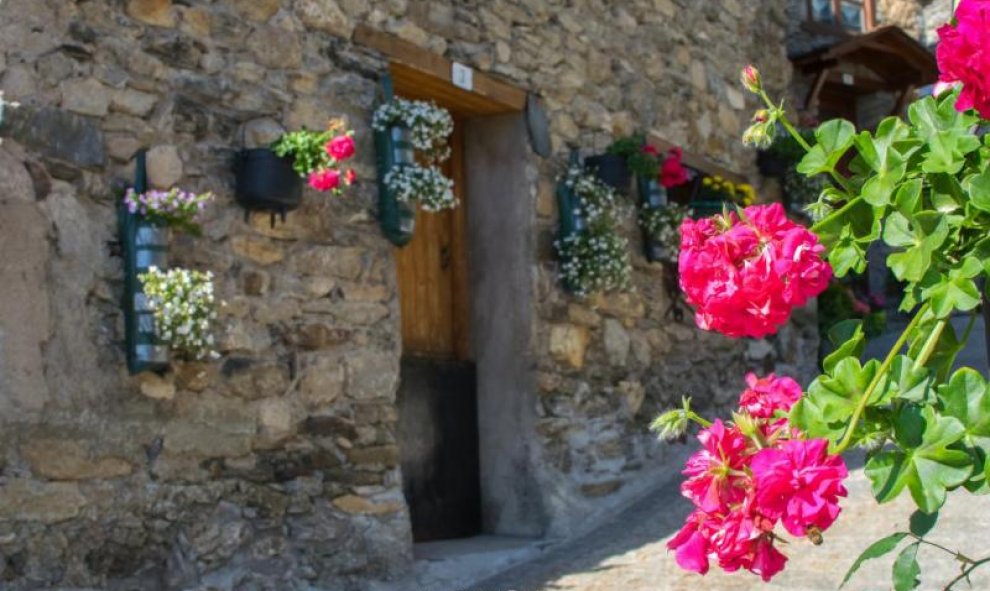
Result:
629,554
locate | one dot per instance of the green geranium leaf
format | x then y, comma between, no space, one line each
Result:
834,138
878,190
906,570
908,197
947,151
847,254
977,189
825,410
919,237
950,294
965,398
850,340
922,523
925,465
908,383
875,550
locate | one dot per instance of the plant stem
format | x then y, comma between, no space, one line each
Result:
698,419
785,122
966,572
884,367
835,214
841,180
956,554
930,344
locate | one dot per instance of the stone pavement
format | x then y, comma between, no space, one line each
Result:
629,553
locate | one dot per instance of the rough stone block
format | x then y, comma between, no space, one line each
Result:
601,489
617,342
158,13
356,504
372,375
325,15
57,134
46,502
568,344
381,456
86,97
164,167
256,249
323,380
61,459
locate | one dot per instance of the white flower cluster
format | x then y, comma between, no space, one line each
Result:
185,309
594,262
596,200
427,185
663,225
597,258
429,125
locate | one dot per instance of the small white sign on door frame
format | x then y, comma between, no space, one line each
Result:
462,76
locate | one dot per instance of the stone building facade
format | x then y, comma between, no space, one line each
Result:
278,464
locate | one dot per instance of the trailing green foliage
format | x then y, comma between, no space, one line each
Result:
923,187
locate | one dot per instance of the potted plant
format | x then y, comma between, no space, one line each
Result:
622,158
270,179
184,309
717,192
661,228
161,210
594,256
404,129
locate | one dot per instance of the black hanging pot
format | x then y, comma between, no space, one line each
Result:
266,182
611,169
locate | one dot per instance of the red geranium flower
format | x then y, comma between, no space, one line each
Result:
324,180
672,172
744,277
963,55
799,483
715,472
341,147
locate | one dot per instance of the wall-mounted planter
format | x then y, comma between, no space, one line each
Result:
398,220
611,169
266,182
144,245
652,195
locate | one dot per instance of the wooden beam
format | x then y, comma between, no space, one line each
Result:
502,96
697,162
811,101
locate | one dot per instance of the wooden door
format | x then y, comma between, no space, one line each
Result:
433,274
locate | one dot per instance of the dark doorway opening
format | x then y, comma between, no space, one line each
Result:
438,428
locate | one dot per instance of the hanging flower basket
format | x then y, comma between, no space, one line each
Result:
611,169
266,181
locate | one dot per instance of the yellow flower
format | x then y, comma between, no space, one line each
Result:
748,193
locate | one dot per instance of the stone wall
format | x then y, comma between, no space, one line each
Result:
279,461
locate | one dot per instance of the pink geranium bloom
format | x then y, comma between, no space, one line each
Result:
715,477
350,176
963,57
763,397
744,277
341,147
800,484
324,180
739,539
691,544
672,172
